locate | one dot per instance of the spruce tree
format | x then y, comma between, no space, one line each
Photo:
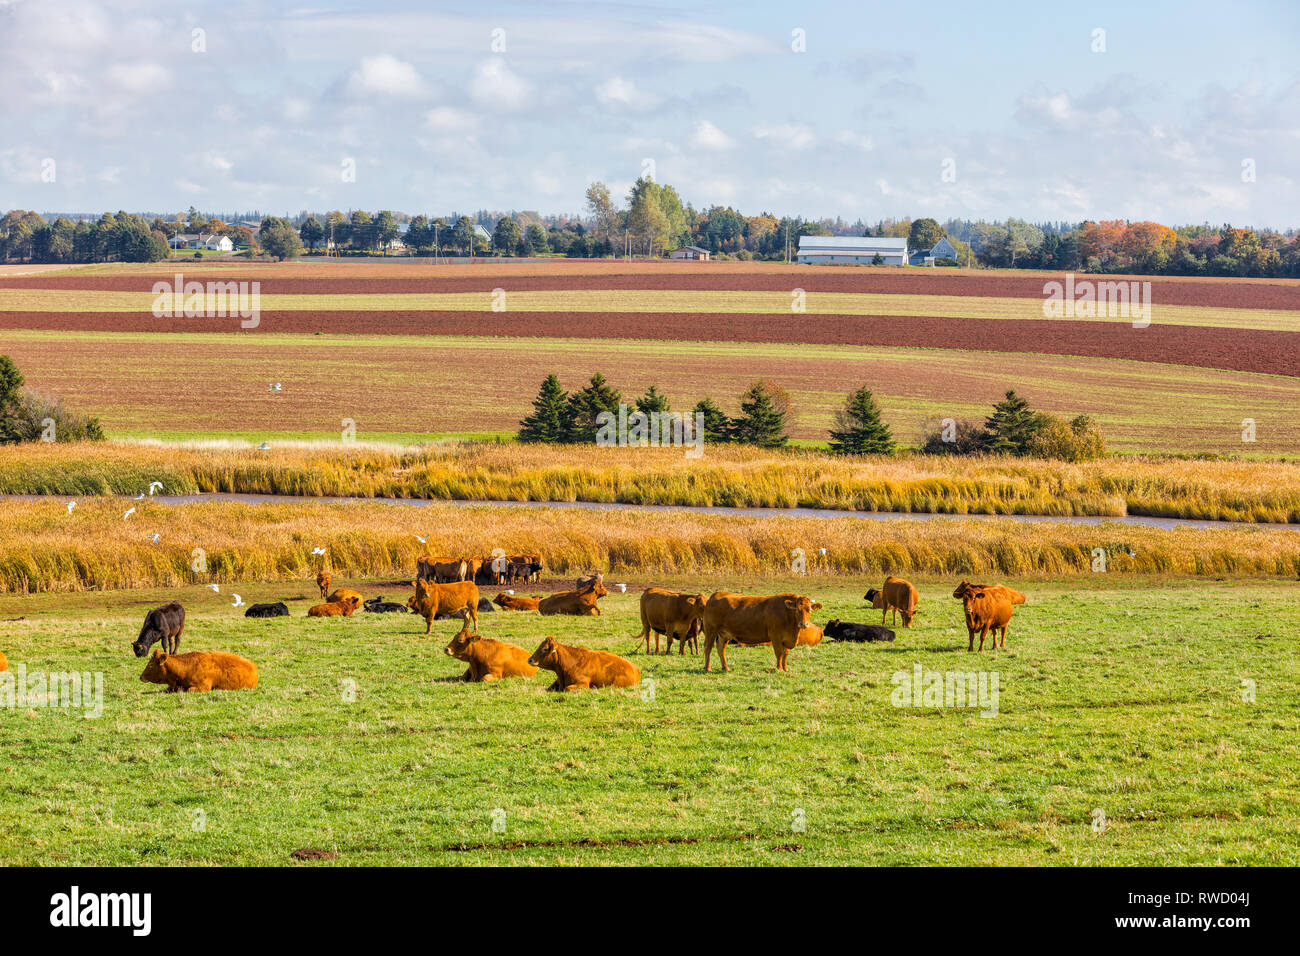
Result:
652,401
715,429
859,429
548,421
11,383
1012,426
761,421
583,407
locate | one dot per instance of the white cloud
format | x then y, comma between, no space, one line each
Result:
856,140
385,75
496,86
708,136
792,135
138,77
623,94
448,119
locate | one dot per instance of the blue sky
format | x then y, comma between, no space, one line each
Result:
1009,98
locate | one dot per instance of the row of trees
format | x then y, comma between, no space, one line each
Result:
113,238
1014,428
29,415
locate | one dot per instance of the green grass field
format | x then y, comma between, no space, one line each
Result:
1119,697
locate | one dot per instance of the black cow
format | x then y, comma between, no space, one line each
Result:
278,609
485,606
380,606
164,624
848,631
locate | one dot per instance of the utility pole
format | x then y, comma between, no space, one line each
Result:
435,243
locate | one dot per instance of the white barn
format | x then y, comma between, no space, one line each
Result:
857,249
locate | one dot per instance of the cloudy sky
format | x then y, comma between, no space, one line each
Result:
1180,112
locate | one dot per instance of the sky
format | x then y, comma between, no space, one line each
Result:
1179,112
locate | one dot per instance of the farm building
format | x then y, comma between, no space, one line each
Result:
943,249
201,241
691,252
859,249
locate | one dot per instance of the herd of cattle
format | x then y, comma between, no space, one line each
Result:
449,589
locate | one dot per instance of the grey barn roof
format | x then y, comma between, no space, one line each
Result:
848,245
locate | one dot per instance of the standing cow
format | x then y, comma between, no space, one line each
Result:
675,616
163,624
896,595
755,620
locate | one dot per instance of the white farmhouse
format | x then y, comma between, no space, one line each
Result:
857,249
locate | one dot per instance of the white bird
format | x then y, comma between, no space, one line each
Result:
216,588
155,484
822,552
155,537
128,514
263,447
71,505
317,550
239,602
421,540
139,497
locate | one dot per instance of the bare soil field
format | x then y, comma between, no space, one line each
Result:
1245,350
412,277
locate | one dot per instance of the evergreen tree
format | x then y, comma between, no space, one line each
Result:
549,419
583,407
762,419
1012,426
11,383
859,429
716,428
652,401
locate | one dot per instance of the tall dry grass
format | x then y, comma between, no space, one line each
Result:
724,476
43,548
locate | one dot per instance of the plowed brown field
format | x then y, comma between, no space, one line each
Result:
1244,350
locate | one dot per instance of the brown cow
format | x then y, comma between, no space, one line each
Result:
441,570
673,615
988,607
340,595
343,608
4,664
589,580
898,596
527,567
577,668
755,620
810,636
581,603
200,671
512,602
323,582
488,660
431,599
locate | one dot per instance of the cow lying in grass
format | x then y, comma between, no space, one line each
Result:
755,620
341,595
200,671
988,607
511,602
848,631
896,595
380,606
4,664
344,608
581,602
163,624
676,616
577,668
430,600
278,609
488,660
323,582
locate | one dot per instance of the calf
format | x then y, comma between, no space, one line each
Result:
278,609
380,606
512,602
441,570
165,624
200,671
323,582
528,567
988,607
581,603
431,599
674,615
577,668
755,620
334,608
342,595
488,660
896,595
848,631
